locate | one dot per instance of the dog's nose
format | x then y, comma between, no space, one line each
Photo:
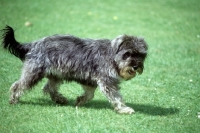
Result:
135,67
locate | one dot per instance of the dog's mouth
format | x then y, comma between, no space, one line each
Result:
128,72
131,71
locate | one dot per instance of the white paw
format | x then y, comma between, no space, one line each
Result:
125,110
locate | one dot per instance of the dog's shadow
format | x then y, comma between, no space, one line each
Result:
153,110
97,104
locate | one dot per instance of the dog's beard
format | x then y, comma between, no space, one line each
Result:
129,72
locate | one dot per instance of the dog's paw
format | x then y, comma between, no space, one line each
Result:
80,101
125,110
13,100
59,99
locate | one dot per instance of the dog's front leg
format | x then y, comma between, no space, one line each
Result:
113,95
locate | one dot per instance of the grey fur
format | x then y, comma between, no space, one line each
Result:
90,62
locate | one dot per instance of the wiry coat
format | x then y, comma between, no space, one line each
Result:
89,62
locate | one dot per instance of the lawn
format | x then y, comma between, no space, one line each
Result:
166,97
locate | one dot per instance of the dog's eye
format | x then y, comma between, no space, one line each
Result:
126,55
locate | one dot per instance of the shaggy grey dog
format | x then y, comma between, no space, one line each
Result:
90,62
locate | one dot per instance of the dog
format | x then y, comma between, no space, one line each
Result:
92,63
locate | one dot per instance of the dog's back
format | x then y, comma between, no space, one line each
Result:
59,43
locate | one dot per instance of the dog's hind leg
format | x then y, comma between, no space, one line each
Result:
87,96
28,79
52,87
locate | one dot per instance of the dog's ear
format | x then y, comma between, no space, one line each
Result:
116,43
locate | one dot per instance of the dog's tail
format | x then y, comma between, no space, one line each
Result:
9,43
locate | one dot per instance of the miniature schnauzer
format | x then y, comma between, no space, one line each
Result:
90,62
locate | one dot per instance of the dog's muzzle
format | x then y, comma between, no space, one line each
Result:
130,72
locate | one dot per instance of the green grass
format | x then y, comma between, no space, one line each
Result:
166,97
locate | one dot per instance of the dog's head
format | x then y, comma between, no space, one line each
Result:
130,52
